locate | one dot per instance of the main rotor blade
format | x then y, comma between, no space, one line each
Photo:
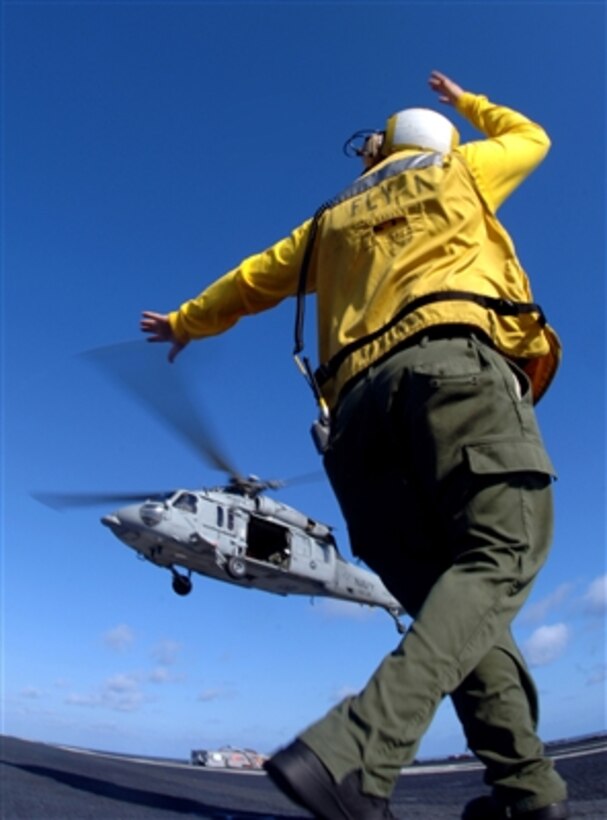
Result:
65,501
162,390
305,478
282,483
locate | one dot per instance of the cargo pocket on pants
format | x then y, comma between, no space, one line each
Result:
503,457
512,506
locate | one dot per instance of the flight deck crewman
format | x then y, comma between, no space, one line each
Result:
433,354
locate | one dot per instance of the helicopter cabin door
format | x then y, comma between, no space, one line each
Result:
269,542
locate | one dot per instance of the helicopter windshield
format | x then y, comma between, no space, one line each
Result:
186,501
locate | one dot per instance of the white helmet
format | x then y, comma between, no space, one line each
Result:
419,128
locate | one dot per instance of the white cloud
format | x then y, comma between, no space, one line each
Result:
163,674
546,644
208,694
165,653
217,693
31,693
78,699
595,599
160,675
538,612
119,684
343,692
125,702
120,638
120,693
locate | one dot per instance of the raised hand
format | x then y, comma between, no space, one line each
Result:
448,91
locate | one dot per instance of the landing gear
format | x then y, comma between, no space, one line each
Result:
237,567
181,583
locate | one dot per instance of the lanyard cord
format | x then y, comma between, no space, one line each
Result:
302,362
303,277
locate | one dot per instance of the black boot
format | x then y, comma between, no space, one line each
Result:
487,808
299,774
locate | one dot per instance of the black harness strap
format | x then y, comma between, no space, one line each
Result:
360,186
303,277
502,306
326,371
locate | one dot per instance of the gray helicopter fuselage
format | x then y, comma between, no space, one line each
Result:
274,547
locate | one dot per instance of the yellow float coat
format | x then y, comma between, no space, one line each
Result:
415,224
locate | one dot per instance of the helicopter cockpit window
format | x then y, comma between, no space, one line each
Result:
230,519
220,516
187,502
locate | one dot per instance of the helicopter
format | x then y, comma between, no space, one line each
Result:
235,532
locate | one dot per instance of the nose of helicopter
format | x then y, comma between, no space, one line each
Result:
123,520
133,522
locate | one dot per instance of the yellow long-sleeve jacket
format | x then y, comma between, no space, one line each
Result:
417,224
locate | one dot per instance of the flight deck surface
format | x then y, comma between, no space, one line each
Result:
46,782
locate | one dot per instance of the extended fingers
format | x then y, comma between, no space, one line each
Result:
437,79
155,323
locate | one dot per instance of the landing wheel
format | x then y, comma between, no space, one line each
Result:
237,567
181,584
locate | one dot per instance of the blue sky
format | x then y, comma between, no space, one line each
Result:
147,148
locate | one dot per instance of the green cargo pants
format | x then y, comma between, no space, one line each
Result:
440,471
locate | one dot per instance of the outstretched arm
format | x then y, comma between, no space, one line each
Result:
258,283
